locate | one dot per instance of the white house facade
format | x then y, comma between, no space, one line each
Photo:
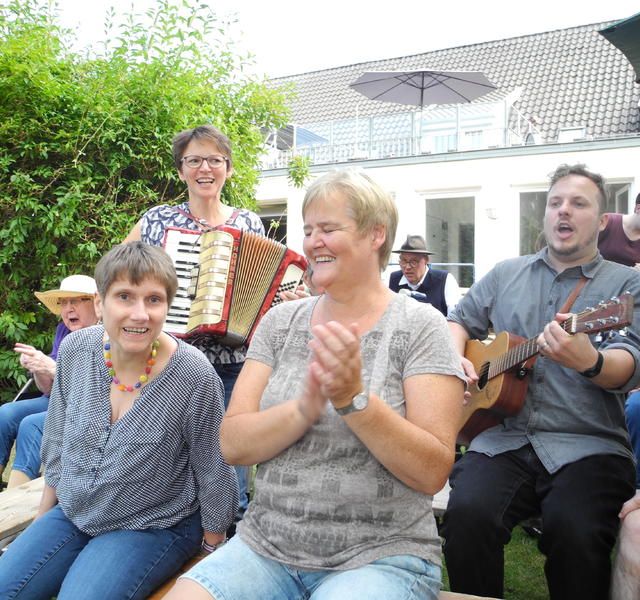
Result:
472,178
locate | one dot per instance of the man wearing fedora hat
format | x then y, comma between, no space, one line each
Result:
23,421
417,279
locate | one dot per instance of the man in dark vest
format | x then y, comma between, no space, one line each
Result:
417,279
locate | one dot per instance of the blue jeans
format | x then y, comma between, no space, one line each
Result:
632,415
28,442
11,414
235,572
229,373
53,557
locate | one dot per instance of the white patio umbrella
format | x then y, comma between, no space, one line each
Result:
422,88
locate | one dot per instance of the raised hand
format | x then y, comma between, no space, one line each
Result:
336,363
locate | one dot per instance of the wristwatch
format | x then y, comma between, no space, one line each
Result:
358,402
595,370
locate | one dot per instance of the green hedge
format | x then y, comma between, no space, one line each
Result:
85,141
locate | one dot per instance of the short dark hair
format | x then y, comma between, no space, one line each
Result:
202,132
637,199
580,169
136,261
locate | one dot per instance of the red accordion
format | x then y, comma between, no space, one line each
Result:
227,279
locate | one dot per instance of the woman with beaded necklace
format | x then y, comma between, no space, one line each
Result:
133,471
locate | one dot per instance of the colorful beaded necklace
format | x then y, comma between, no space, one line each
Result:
142,379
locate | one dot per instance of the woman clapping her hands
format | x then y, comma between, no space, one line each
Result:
354,396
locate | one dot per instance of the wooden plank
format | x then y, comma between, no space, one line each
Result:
163,590
455,596
19,506
440,500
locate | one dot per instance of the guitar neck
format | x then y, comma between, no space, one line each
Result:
614,314
514,356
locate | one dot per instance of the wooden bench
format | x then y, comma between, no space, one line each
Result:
440,500
19,506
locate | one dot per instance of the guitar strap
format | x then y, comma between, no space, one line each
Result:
566,307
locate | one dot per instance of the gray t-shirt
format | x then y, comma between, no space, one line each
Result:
566,416
326,502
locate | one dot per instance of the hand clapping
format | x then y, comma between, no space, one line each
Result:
336,364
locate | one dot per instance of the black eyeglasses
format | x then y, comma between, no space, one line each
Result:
413,262
215,161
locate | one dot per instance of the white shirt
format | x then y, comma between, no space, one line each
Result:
452,293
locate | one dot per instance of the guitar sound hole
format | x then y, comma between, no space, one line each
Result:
483,375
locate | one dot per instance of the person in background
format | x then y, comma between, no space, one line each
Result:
204,162
566,454
619,242
420,281
23,421
354,396
134,479
625,583
304,290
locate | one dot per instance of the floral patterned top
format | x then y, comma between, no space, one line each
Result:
153,225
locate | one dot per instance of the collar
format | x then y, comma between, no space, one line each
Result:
587,269
414,286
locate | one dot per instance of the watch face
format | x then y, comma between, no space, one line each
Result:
360,401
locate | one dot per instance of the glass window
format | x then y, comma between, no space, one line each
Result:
450,236
532,205
274,220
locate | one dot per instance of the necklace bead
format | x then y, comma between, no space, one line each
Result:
142,379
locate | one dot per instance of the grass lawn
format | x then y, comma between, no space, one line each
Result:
524,569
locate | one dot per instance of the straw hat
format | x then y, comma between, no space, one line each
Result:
414,244
70,287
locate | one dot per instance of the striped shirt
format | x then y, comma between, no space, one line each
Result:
159,463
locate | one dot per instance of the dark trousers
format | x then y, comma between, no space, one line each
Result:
579,506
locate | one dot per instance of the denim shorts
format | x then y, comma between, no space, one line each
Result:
235,572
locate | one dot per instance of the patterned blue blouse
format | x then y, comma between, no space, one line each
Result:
154,223
157,464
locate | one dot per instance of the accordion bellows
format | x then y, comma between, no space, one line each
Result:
227,279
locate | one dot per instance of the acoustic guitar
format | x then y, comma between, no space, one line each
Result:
504,364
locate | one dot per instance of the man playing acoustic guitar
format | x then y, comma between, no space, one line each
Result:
566,454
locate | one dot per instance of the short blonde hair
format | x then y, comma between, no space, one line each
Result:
369,205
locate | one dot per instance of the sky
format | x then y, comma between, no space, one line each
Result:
296,36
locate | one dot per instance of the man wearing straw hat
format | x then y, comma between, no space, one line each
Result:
23,421
418,280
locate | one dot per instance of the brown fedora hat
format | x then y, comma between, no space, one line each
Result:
414,244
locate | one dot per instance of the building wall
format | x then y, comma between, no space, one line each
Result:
495,178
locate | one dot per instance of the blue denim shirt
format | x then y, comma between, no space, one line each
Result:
566,416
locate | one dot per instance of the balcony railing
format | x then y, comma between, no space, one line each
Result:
395,147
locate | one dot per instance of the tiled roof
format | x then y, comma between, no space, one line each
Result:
569,78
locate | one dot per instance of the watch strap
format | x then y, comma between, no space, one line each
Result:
351,407
595,370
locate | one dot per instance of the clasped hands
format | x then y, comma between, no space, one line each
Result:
334,373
